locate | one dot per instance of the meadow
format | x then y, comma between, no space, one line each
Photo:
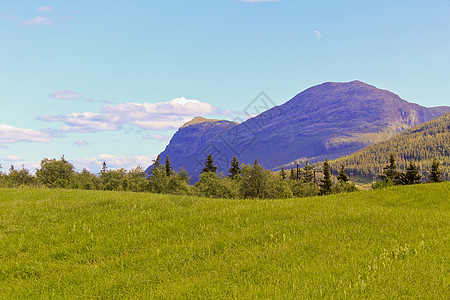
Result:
389,243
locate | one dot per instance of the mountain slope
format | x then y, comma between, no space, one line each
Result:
331,119
420,145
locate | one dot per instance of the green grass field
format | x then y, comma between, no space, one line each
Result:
389,243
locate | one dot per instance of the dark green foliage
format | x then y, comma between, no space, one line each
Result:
17,178
168,167
178,184
55,173
411,176
300,188
292,175
382,184
137,181
85,181
184,175
308,174
419,145
343,187
435,174
209,165
255,181
114,180
326,182
390,170
211,186
235,170
282,173
281,188
104,168
157,179
342,177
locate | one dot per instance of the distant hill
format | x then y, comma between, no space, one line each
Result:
420,144
331,119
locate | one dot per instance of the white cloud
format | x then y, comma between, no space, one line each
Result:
318,34
157,137
38,21
94,164
7,17
81,143
45,8
66,95
82,122
156,116
13,158
11,134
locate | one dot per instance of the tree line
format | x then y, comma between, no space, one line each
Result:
242,181
392,176
420,145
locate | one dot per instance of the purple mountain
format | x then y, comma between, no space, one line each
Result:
329,120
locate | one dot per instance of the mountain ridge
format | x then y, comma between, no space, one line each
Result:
328,120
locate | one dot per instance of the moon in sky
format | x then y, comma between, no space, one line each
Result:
318,34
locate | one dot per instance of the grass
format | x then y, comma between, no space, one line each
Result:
389,243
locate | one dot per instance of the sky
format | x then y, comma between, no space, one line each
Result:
113,80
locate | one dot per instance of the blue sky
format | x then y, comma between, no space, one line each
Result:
112,80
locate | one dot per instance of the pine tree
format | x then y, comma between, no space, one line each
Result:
283,173
209,165
435,175
104,168
412,174
235,170
309,177
342,177
326,181
390,170
168,167
292,175
157,162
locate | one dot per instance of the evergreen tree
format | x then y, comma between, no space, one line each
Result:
157,179
104,168
309,177
435,175
168,166
326,181
292,175
157,161
235,170
342,177
283,173
209,165
390,171
412,174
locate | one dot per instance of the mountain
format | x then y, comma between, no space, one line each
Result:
331,119
420,145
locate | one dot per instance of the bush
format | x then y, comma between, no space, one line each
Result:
382,184
256,182
18,178
301,188
212,186
281,189
85,181
343,187
178,184
114,180
55,173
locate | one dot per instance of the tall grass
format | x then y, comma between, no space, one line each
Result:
91,244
